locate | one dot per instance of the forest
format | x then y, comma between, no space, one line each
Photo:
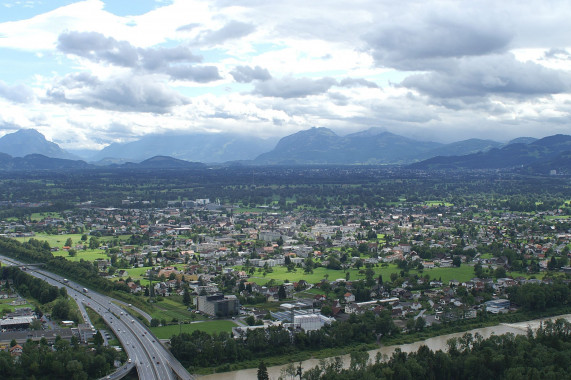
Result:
286,187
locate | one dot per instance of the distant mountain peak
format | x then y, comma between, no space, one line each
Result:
29,141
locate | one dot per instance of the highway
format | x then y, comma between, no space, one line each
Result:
151,358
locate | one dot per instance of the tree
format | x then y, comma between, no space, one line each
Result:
282,292
186,297
68,242
478,270
98,339
420,323
326,310
263,371
456,261
61,309
93,243
500,272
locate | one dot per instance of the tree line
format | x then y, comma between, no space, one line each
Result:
201,349
28,285
543,355
36,251
63,360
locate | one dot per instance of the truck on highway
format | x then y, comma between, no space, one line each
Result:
65,280
84,290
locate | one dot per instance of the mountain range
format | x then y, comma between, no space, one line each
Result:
201,147
28,149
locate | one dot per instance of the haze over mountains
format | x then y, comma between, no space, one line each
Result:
315,146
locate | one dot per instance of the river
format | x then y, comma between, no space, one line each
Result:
435,343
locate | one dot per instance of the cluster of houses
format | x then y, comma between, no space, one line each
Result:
194,242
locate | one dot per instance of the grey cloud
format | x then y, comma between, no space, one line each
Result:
79,80
232,30
246,74
156,59
97,47
187,27
357,82
431,43
120,94
288,87
557,53
495,74
18,93
175,62
339,99
200,74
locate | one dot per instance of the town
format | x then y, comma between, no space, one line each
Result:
213,266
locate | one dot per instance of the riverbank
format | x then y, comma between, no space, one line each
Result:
434,343
484,320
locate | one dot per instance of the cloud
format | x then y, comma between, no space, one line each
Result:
98,48
490,75
557,54
357,82
127,93
230,31
177,62
200,74
429,43
247,74
289,87
18,93
187,27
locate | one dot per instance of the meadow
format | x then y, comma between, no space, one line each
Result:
166,332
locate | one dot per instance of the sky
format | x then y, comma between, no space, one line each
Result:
90,73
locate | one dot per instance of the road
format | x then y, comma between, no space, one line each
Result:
151,358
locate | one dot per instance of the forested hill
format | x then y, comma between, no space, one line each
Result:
549,153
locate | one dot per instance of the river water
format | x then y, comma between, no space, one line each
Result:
435,343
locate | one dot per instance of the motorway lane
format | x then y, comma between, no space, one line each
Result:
153,361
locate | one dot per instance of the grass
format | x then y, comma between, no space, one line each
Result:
88,255
54,240
438,203
5,305
280,274
166,332
59,240
135,273
169,308
37,216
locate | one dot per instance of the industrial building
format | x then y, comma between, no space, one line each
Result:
218,305
305,319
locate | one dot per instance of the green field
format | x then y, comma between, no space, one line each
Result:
280,274
37,216
5,305
54,240
437,203
172,307
135,273
88,255
59,240
166,332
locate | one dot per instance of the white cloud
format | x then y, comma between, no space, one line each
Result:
441,69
